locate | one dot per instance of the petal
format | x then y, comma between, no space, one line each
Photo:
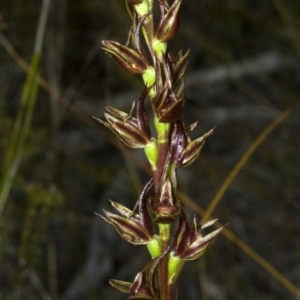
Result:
124,211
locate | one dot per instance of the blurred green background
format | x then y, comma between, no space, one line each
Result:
244,72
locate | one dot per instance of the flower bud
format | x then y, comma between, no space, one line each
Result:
129,59
169,24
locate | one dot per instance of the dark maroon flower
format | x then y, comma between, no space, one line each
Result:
189,244
134,228
167,207
133,132
192,150
168,106
144,285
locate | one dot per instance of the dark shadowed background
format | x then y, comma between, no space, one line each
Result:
243,73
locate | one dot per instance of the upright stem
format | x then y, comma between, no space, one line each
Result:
165,288
163,132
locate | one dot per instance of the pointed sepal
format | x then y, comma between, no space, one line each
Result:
129,59
181,64
122,286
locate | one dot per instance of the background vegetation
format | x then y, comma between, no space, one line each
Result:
244,78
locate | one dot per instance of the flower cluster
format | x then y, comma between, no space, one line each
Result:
169,149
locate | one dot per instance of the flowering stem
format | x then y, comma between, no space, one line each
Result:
166,152
165,288
163,132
